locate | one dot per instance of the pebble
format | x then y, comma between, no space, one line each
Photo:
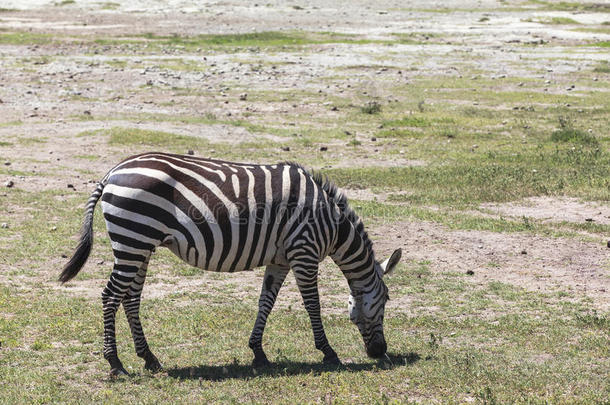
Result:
243,96
7,163
286,148
4,225
470,272
373,139
190,152
53,228
524,252
589,219
608,244
334,108
71,186
9,183
323,148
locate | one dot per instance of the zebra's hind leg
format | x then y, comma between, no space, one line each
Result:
122,277
272,282
131,305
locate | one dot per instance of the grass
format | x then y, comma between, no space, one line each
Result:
602,67
372,107
24,38
536,348
492,178
558,21
252,39
572,6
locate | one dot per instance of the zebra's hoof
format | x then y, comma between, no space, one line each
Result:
118,372
152,363
259,362
153,366
332,360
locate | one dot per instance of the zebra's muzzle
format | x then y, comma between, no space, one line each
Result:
377,346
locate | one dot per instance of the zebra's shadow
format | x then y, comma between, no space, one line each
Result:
284,368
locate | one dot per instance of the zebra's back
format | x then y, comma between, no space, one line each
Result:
215,215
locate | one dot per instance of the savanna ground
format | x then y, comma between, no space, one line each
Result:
473,134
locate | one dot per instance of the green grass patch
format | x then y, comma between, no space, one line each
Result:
602,67
573,6
134,136
567,133
408,121
577,171
372,107
109,5
558,21
24,38
252,39
602,44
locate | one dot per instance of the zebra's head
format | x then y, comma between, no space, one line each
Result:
366,308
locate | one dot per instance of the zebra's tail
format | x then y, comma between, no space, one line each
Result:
78,259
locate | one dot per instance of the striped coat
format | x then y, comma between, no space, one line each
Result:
225,216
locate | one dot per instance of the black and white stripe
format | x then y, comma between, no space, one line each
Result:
224,216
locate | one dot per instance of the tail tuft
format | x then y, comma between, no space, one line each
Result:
81,254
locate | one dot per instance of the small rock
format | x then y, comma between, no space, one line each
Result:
524,252
608,244
190,152
63,256
100,262
9,183
373,139
323,148
334,108
149,82
470,272
589,219
4,225
286,148
53,229
87,112
7,163
71,186
243,96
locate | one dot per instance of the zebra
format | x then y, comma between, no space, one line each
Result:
224,216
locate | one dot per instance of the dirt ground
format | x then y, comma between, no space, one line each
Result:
49,96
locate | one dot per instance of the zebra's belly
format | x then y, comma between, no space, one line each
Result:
199,259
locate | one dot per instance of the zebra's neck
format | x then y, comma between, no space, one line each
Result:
354,254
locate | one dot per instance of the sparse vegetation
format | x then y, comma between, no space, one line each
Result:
371,107
567,133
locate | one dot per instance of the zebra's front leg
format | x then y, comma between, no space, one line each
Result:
307,281
131,305
272,282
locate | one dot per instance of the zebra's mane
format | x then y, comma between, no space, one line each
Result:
338,197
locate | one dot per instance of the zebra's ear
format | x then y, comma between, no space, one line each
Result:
389,265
